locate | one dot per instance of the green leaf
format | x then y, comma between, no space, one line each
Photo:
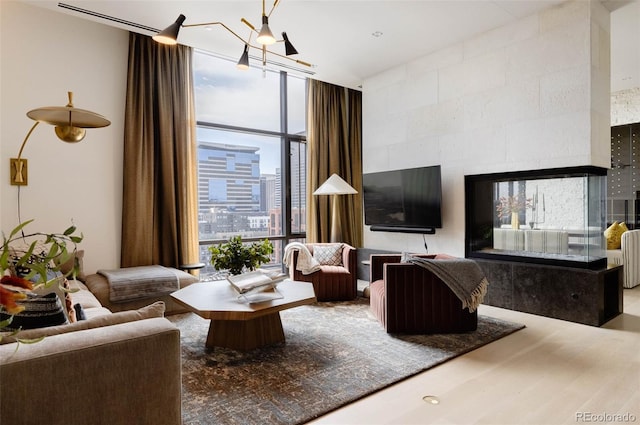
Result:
70,231
19,228
4,259
6,322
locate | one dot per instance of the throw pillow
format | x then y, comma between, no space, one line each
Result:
328,255
76,260
40,311
613,234
35,257
61,287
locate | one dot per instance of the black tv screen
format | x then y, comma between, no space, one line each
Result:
407,200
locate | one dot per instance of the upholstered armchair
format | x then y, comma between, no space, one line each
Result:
407,298
628,256
335,280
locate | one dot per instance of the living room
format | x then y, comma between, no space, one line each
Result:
478,106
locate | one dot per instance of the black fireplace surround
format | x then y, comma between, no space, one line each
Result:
538,237
550,216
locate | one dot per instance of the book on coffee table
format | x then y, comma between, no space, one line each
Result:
256,281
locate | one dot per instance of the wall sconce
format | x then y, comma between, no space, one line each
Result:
70,124
265,37
335,186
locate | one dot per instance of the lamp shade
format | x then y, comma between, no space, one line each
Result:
265,36
335,185
70,122
169,35
68,115
288,47
243,63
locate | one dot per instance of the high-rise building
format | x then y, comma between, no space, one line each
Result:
268,192
228,178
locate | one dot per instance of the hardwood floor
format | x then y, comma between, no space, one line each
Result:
552,372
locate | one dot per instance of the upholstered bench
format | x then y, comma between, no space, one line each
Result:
99,285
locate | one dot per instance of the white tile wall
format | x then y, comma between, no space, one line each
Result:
532,94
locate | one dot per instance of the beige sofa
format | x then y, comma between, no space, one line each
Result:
113,368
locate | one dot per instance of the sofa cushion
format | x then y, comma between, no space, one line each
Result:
83,296
153,310
328,255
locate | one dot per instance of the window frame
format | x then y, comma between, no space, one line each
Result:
286,141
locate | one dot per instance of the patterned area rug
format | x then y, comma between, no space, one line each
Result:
334,353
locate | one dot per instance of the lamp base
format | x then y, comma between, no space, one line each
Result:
18,170
336,225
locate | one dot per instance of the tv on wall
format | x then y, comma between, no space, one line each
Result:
408,200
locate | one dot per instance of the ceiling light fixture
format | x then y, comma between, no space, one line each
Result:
264,38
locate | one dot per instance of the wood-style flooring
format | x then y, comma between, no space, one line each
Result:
552,372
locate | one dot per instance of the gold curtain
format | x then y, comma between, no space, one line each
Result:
334,145
159,211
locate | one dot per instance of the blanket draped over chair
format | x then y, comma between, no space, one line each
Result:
463,276
140,282
306,263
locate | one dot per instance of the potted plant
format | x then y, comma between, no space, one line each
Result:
236,256
511,206
24,269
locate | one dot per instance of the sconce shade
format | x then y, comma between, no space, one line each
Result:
67,116
288,47
265,37
169,35
243,63
335,185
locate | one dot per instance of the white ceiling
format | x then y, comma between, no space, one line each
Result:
337,36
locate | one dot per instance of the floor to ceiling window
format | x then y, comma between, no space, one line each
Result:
251,154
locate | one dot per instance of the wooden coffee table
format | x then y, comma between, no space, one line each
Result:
237,324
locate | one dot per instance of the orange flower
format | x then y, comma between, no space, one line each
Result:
8,300
16,281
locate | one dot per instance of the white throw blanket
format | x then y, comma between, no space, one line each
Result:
306,263
131,283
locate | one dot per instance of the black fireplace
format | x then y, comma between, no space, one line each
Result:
550,216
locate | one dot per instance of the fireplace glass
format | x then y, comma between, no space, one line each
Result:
552,216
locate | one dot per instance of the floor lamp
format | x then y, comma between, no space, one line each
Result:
335,186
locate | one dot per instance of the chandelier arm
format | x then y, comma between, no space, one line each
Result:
275,3
217,23
247,42
249,24
279,55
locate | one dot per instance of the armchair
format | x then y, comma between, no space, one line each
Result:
331,282
407,298
628,256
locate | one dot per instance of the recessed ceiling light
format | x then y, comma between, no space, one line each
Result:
377,34
431,399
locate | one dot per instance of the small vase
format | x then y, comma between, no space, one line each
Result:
515,220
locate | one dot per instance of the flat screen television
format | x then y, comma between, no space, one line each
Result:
408,200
